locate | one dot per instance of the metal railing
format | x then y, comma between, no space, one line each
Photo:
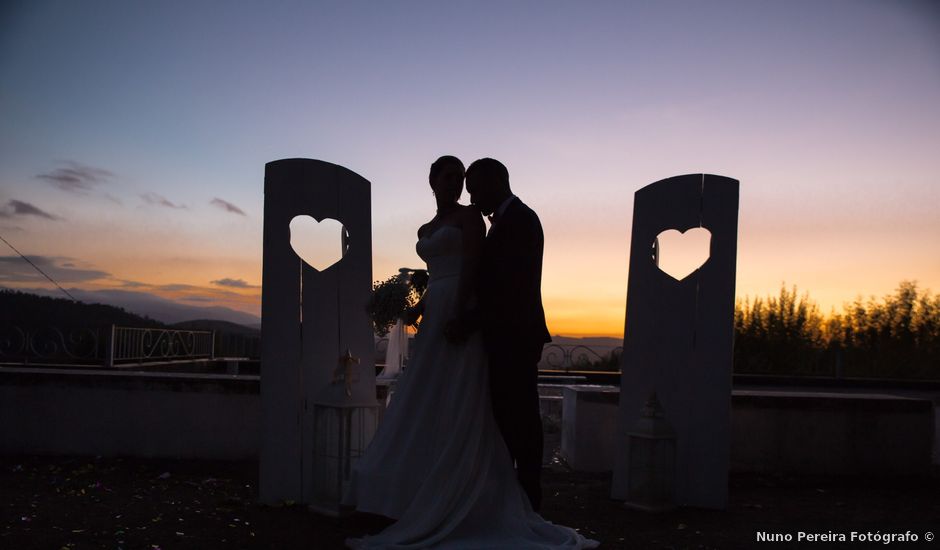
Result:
148,345
50,344
579,357
563,357
111,345
117,346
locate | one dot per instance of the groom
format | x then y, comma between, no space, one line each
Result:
511,317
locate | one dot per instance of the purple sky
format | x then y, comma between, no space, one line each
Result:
134,135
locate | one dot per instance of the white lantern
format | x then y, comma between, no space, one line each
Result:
651,462
341,435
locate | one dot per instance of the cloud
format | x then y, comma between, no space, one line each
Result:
160,200
76,177
61,269
20,208
180,291
227,206
203,299
113,199
234,283
176,287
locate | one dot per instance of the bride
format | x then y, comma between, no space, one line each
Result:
438,464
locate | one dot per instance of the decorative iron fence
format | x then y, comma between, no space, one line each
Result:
554,357
119,346
146,345
580,357
115,345
51,345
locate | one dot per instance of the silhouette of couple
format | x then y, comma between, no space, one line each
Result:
457,458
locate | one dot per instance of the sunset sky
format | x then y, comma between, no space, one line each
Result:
133,135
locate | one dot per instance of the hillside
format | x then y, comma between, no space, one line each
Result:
218,326
30,310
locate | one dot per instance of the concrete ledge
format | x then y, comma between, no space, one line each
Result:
96,378
827,401
773,431
178,415
107,413
589,427
830,433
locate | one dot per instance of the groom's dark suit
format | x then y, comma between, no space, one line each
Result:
514,331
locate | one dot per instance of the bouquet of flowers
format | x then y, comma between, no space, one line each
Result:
392,297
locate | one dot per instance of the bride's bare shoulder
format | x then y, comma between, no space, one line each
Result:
425,229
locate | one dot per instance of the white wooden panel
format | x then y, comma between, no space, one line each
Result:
331,304
674,331
281,394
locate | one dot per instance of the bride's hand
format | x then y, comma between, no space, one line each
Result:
412,314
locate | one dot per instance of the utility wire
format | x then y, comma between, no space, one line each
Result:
37,269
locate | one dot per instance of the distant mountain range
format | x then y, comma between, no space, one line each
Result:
588,341
140,305
74,320
155,307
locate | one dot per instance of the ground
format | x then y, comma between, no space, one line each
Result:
80,502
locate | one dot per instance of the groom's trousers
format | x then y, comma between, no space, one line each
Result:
514,388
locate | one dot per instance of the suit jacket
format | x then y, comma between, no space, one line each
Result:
510,291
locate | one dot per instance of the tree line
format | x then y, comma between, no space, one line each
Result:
896,336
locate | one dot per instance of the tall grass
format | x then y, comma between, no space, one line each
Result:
897,336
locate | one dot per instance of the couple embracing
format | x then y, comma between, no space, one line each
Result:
457,458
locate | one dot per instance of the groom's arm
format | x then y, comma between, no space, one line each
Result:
523,268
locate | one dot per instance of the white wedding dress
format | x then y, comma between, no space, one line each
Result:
438,463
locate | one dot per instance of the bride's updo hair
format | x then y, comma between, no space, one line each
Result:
438,165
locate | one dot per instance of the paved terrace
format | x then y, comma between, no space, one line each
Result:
75,502
81,502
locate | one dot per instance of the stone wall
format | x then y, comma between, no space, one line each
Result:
166,415
776,431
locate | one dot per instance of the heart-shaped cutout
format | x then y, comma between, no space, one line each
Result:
319,244
680,254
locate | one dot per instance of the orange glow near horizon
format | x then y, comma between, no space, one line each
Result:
585,271
567,314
